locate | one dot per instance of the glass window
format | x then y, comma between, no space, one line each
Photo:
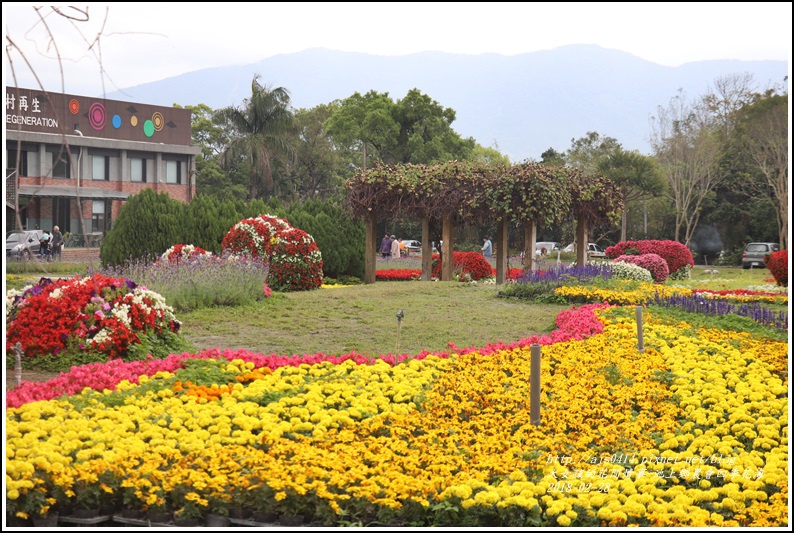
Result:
138,170
60,165
172,172
98,216
100,170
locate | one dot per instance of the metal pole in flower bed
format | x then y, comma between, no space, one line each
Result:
640,345
18,367
400,316
534,386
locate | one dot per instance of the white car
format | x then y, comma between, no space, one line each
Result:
593,250
548,246
412,246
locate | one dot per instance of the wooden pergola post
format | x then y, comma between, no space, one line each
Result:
501,252
581,242
447,235
530,238
427,251
370,252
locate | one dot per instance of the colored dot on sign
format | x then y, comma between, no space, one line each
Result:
134,120
148,128
116,121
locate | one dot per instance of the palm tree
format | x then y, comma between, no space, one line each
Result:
260,128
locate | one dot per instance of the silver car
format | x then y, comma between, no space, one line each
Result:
23,244
755,252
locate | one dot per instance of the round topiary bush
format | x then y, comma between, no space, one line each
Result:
86,319
466,266
295,262
624,270
650,262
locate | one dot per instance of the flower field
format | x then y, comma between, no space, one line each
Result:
692,432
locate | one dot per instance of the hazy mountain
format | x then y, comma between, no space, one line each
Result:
524,103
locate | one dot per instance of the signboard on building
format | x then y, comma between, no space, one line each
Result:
48,112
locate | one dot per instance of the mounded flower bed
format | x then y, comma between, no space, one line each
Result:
295,262
100,315
688,433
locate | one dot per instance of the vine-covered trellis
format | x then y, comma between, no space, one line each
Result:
458,192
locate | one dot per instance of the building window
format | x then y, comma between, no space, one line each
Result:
23,161
100,167
98,219
61,214
60,165
173,172
138,170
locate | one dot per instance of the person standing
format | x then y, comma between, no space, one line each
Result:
44,244
385,247
487,247
56,243
395,248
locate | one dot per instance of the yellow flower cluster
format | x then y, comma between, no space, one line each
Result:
639,295
692,432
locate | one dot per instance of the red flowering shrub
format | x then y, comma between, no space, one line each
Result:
676,255
98,313
650,262
777,263
471,265
295,262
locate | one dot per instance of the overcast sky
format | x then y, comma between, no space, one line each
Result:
147,42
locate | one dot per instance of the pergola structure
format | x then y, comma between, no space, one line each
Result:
462,192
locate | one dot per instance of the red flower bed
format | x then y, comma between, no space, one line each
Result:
471,265
402,274
675,254
184,252
99,312
736,292
777,263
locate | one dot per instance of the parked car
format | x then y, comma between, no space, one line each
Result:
593,250
23,244
548,246
412,246
755,252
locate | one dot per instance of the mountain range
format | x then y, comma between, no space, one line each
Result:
522,104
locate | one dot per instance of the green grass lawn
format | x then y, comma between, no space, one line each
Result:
362,318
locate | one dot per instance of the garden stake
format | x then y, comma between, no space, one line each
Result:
400,316
18,367
534,386
640,345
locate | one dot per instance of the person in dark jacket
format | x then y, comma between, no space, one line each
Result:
385,247
56,243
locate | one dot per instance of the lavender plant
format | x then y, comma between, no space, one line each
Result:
199,282
718,307
540,284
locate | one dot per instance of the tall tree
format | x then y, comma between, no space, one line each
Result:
689,147
364,124
586,152
208,133
426,134
260,132
765,135
316,171
636,175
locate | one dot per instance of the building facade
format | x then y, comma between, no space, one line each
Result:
72,161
